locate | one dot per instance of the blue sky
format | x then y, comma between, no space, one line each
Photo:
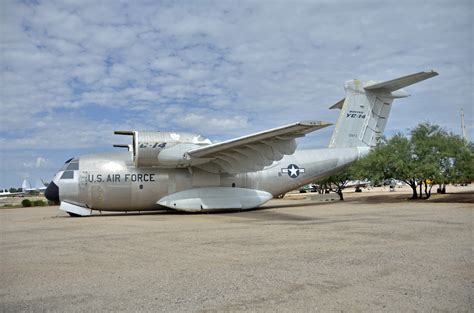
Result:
74,71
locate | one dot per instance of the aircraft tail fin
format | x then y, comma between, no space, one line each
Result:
39,184
366,107
25,186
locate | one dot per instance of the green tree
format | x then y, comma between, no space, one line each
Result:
431,150
445,156
460,167
390,159
430,156
337,182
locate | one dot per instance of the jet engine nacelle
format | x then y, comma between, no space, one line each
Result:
162,149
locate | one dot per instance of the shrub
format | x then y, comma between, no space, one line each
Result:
39,203
26,203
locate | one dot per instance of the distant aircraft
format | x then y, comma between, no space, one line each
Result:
7,193
357,183
186,172
26,188
40,186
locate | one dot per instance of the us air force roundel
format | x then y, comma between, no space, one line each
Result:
293,170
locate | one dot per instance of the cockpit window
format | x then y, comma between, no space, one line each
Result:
73,166
67,175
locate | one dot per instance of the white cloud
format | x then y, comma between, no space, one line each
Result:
40,162
214,125
168,63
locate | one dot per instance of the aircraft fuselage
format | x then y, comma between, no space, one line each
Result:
111,182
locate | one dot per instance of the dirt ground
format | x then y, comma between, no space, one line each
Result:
374,252
7,202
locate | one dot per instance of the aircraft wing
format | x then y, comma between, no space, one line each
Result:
252,152
11,194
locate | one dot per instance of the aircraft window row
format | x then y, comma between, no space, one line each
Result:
67,175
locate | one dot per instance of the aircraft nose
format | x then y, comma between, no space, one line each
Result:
52,192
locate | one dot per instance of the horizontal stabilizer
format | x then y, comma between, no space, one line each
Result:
338,105
399,83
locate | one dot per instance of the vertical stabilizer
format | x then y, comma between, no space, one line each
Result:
25,186
366,107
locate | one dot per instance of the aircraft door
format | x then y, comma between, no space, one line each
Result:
83,187
91,192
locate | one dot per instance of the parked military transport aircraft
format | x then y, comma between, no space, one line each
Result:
187,172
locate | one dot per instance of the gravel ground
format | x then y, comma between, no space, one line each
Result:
356,256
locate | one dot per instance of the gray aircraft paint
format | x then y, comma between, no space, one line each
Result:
183,169
111,182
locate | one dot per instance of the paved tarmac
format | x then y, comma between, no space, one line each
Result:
356,256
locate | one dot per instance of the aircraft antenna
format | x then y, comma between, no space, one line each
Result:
463,126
